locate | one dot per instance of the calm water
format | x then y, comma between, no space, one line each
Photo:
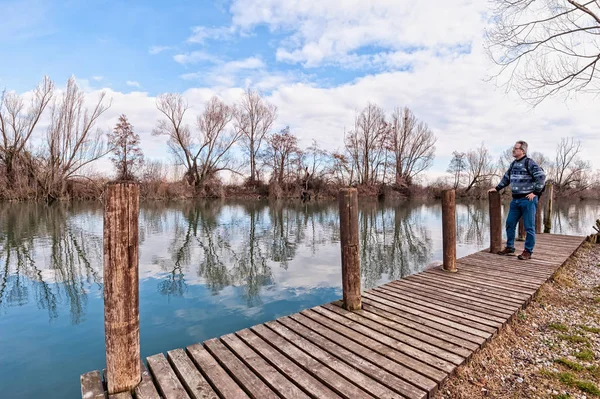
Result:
206,269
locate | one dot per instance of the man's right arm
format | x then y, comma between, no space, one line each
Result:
504,182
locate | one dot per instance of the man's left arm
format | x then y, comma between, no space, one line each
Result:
539,177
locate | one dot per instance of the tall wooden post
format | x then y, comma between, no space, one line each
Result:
548,211
495,221
521,235
538,218
449,230
348,201
121,286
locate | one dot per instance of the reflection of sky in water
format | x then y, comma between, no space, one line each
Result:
206,269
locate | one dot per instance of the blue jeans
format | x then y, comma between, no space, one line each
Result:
521,207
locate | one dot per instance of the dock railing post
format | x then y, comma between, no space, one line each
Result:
495,221
521,235
348,202
121,286
449,230
548,208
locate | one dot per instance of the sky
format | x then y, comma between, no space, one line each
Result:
320,62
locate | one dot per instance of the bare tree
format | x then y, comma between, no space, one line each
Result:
254,117
281,150
480,167
71,141
570,170
18,123
125,146
366,144
546,47
412,144
341,169
206,153
458,165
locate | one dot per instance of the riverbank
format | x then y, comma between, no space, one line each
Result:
551,350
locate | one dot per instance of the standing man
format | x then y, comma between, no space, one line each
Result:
527,181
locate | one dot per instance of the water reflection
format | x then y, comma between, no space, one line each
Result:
52,256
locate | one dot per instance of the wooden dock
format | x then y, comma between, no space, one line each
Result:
409,337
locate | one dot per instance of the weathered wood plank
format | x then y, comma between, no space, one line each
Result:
286,366
277,381
219,379
146,388
91,385
341,385
193,381
168,383
251,383
373,353
430,372
120,395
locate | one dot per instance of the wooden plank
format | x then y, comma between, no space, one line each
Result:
322,371
511,279
286,366
431,294
457,286
146,389
190,376
463,353
251,383
431,372
120,395
392,302
498,286
168,383
383,384
471,288
220,381
479,297
425,350
447,307
452,340
463,319
509,268
277,381
366,349
512,274
390,307
91,385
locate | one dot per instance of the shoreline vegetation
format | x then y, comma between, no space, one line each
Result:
235,151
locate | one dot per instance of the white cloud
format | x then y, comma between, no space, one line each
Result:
158,49
202,33
133,83
97,78
322,31
194,57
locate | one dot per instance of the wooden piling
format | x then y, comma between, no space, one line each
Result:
121,286
495,207
548,209
538,217
449,230
521,235
348,202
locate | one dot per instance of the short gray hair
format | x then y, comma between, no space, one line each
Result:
523,145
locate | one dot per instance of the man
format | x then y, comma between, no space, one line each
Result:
527,181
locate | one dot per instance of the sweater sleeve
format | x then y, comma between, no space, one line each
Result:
504,182
539,177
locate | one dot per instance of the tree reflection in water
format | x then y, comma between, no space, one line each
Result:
49,255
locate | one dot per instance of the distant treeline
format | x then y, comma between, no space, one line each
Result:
382,155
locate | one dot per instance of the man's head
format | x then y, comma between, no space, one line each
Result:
519,149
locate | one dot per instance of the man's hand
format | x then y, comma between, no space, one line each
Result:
491,189
530,196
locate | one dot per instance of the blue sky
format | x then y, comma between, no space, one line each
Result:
319,61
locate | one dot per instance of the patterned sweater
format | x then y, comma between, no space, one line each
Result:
523,182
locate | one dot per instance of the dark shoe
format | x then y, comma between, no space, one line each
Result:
506,251
525,255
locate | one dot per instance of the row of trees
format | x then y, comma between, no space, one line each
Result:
477,168
239,139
